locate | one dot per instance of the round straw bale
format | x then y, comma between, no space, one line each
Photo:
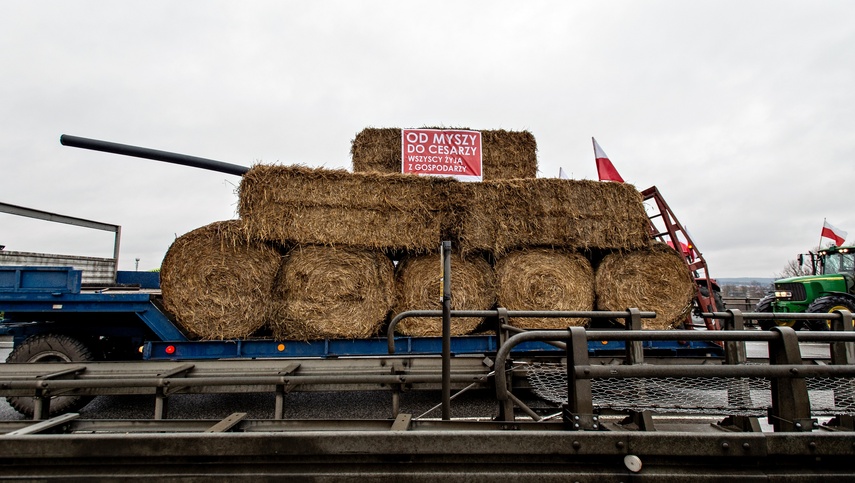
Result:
545,279
327,292
216,284
654,279
419,287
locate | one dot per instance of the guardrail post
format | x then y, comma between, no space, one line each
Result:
279,404
161,403
843,353
578,413
634,348
501,331
790,411
41,405
734,351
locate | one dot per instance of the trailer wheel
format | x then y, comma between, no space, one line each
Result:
827,305
50,348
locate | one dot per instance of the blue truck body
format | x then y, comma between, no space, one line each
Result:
51,300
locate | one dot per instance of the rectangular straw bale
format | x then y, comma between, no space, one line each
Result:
502,215
507,154
300,205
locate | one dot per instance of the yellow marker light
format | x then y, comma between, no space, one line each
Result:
280,347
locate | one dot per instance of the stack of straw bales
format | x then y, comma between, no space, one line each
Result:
313,253
507,154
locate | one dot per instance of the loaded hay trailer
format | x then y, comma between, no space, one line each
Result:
606,402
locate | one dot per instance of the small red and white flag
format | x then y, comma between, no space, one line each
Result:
833,233
605,168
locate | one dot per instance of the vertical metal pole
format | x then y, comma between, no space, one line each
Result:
279,404
578,413
41,405
790,409
734,351
396,402
446,330
116,242
634,349
843,353
161,404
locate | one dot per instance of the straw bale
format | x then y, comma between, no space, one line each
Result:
216,284
507,154
308,206
326,292
503,215
419,287
654,279
545,279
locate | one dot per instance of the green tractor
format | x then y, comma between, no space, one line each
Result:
832,287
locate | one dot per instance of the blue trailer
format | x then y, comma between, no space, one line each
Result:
59,313
126,321
52,317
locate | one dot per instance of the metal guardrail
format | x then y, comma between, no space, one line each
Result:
583,445
443,451
790,409
163,379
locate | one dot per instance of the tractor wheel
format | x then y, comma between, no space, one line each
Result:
50,348
765,306
827,305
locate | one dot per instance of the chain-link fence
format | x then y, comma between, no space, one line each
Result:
747,396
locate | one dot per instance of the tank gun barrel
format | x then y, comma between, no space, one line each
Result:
157,155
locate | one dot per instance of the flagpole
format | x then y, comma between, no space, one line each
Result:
594,146
819,247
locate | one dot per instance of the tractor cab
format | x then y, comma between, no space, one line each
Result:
839,260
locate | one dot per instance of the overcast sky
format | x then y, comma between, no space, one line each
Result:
742,113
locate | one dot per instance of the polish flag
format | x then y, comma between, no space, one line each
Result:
605,168
832,232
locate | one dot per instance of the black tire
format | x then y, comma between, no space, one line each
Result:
50,348
719,303
827,305
765,306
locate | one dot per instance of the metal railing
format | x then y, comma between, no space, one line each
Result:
790,407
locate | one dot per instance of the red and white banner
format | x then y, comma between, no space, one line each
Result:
442,152
605,169
832,232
